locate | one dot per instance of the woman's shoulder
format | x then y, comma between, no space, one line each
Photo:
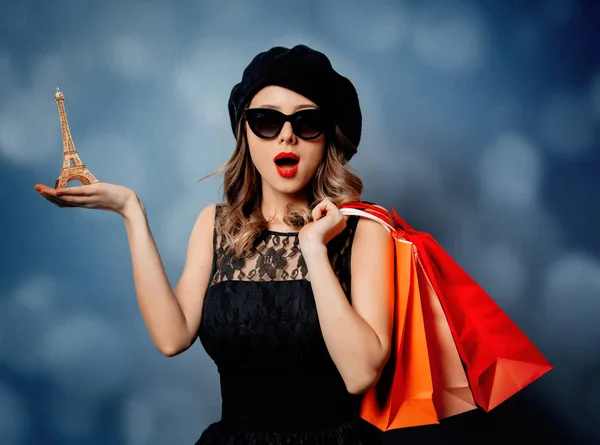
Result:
207,216
210,209
370,231
214,209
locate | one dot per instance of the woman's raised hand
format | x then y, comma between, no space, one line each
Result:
100,196
328,222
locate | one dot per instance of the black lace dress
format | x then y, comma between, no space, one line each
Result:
260,326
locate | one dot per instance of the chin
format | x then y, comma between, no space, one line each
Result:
288,186
290,189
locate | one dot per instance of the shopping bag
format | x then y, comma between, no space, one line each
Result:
403,396
499,359
451,391
397,401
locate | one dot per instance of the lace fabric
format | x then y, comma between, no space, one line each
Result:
276,256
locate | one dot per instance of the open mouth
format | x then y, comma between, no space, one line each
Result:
286,164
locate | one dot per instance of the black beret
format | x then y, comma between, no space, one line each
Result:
307,72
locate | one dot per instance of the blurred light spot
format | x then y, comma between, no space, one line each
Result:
595,96
130,56
383,25
530,230
178,222
450,37
207,139
49,72
567,125
165,413
508,113
116,159
30,128
559,12
230,14
510,171
6,74
413,172
37,293
528,35
138,421
14,421
85,355
31,304
503,271
74,416
572,305
10,131
213,63
456,226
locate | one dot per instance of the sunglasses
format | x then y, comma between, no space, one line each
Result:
267,123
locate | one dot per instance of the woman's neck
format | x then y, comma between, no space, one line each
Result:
274,206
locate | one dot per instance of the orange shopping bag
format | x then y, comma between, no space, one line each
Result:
407,375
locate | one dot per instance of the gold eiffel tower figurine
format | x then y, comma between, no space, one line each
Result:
73,169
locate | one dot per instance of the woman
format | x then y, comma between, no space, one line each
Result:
292,304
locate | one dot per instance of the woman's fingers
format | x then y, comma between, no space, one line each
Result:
51,195
323,208
83,190
81,196
79,200
317,212
58,202
41,188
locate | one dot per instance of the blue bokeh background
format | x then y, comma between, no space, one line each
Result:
481,126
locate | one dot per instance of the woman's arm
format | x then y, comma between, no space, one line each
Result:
358,336
172,317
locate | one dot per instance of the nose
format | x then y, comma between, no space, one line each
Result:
287,134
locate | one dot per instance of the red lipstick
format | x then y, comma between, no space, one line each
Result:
286,164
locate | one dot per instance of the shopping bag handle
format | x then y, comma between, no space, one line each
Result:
362,213
400,226
351,211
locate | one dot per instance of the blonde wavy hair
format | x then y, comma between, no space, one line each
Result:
242,221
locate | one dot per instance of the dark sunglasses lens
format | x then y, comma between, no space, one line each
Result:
309,124
264,123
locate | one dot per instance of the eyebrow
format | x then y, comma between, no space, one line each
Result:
295,109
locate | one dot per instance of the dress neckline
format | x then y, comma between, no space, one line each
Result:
275,232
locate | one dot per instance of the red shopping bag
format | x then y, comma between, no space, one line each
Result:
500,360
